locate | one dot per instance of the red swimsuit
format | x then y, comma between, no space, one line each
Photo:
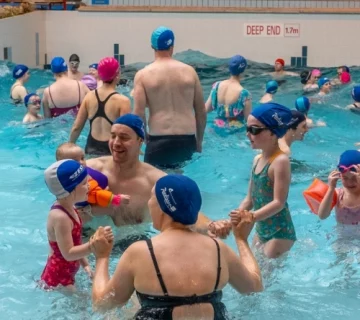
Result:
59,271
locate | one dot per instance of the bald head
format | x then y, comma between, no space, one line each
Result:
69,150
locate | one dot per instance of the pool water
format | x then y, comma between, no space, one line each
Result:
318,280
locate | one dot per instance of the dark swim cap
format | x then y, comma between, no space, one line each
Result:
296,118
305,76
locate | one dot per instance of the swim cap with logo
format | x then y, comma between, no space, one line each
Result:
237,65
162,39
274,116
63,176
179,197
302,104
19,71
134,122
272,87
355,93
323,81
93,66
58,65
108,69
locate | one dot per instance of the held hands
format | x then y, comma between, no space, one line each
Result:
125,199
89,272
242,223
220,228
101,242
334,176
119,199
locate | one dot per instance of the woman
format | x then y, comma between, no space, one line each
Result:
101,107
18,90
230,100
296,132
65,95
178,273
310,79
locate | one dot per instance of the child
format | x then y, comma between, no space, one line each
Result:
67,180
97,181
271,89
347,208
33,104
324,86
303,105
355,94
270,180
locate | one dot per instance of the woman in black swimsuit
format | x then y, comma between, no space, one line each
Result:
178,273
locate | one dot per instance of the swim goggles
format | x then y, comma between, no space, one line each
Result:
74,63
255,130
344,169
37,101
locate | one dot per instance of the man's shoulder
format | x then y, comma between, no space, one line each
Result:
153,174
98,163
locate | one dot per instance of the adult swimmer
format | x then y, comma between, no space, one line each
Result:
101,107
73,72
343,73
126,174
271,88
279,70
18,91
296,132
172,92
189,278
65,95
310,79
302,104
229,99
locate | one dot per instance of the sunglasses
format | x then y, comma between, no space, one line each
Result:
344,169
255,130
37,101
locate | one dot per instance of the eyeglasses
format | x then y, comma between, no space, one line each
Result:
255,130
37,101
344,169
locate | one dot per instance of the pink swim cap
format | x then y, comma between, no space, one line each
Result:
108,69
316,73
90,81
345,77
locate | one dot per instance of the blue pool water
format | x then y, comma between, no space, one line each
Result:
318,280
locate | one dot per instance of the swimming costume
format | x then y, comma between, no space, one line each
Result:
229,116
56,112
59,271
169,151
161,307
345,214
15,101
278,226
93,146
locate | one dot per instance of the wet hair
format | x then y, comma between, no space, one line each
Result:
74,57
64,148
305,76
296,118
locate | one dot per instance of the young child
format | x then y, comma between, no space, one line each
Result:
324,86
98,182
271,88
67,181
33,104
270,180
347,208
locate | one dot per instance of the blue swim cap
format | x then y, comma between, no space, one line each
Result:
93,66
274,116
349,158
272,87
302,104
162,39
237,65
179,197
322,81
19,71
58,65
134,122
27,98
63,176
355,93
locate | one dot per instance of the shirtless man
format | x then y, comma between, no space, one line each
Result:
279,72
172,92
73,72
126,174
18,91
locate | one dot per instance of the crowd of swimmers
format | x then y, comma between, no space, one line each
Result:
180,272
